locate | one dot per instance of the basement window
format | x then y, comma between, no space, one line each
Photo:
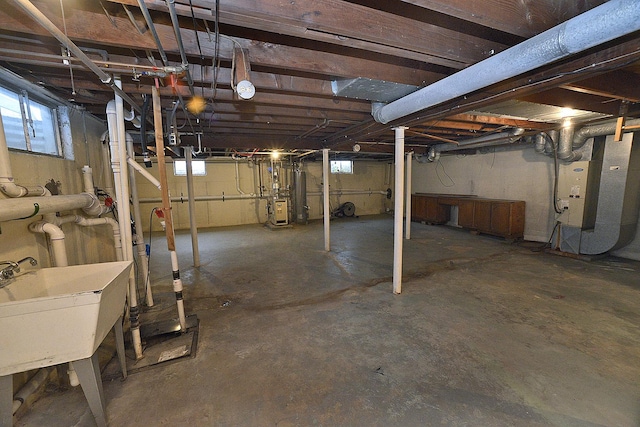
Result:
29,125
198,167
341,166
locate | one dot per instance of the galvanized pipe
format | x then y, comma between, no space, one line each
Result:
152,28
193,226
183,55
611,20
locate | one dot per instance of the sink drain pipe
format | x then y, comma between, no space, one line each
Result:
115,122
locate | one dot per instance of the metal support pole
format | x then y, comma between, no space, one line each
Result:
192,208
407,214
325,191
397,213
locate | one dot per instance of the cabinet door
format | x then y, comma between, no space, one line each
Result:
417,208
501,218
466,213
482,215
437,213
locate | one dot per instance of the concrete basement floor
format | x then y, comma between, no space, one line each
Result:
485,333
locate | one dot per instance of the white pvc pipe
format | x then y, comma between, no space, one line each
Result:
238,189
87,179
166,207
22,208
325,189
397,214
115,228
115,119
56,237
7,182
407,215
143,260
192,207
152,179
30,387
177,288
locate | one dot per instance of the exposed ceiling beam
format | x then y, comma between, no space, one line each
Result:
523,18
345,24
116,31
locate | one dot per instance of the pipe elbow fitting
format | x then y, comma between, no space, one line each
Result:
94,208
111,107
13,190
378,113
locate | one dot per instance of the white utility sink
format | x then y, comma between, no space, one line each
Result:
60,314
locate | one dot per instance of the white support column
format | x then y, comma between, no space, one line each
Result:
192,208
397,210
325,192
407,214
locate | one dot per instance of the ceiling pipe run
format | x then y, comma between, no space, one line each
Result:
176,30
105,78
611,20
507,137
152,28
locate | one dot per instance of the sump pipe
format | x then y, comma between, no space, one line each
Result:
166,208
115,122
601,24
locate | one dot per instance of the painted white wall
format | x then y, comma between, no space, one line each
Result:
512,174
220,179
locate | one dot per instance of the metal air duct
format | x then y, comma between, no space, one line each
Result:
601,24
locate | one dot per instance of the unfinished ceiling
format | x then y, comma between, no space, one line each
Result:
318,65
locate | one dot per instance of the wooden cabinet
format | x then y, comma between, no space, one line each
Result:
507,219
426,208
503,218
466,213
482,216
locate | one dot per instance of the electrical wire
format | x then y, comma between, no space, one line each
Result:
147,279
555,172
439,163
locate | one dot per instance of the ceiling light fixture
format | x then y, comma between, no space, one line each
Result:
244,88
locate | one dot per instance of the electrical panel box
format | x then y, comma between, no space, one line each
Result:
281,212
572,185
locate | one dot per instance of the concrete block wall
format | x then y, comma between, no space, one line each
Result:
514,174
518,174
220,179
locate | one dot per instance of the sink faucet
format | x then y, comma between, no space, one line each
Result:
13,267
